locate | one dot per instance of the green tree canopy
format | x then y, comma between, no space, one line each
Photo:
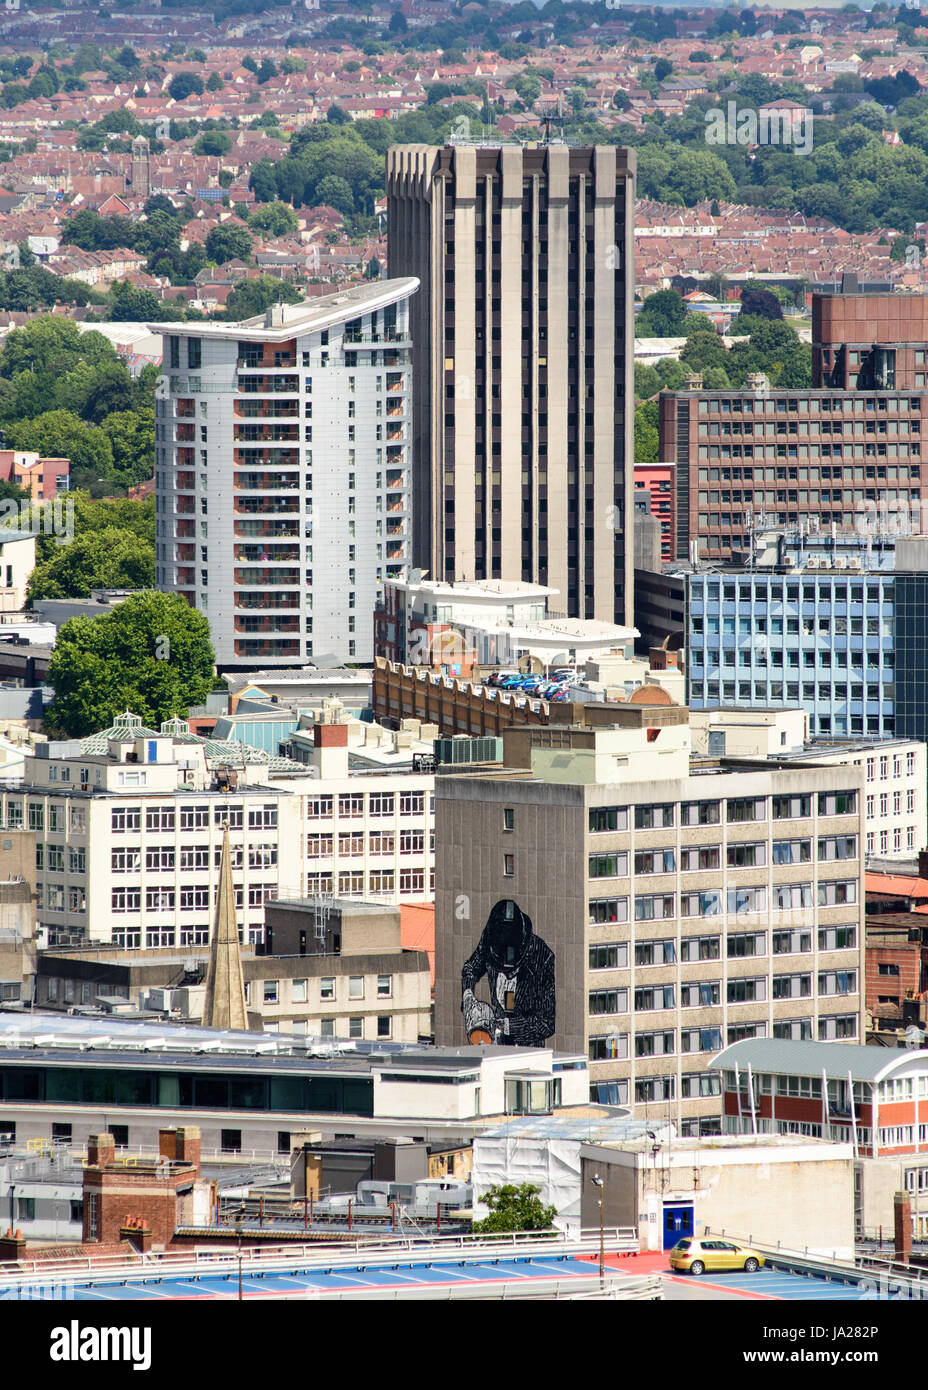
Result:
151,654
224,243
513,1208
108,559
274,219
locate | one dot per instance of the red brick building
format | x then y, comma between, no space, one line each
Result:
144,1200
896,971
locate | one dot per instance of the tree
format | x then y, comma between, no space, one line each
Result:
132,439
762,303
398,23
214,82
62,434
151,654
274,219
662,316
109,559
184,85
254,296
662,68
335,192
647,437
225,243
647,382
514,1209
213,142
94,391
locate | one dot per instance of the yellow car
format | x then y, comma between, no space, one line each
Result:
711,1254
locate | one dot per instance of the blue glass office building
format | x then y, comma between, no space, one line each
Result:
825,641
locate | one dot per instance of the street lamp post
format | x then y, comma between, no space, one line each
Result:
598,1182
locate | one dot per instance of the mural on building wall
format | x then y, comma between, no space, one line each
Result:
519,968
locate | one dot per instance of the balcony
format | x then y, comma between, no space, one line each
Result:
267,482
268,386
277,434
270,553
184,505
185,434
248,458
184,528
262,646
262,506
185,552
268,626
268,578
265,410
276,600
259,530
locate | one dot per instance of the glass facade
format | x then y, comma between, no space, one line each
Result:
825,642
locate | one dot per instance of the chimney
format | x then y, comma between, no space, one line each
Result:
101,1150
330,750
692,381
902,1218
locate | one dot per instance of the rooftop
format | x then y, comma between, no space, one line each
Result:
310,316
836,1060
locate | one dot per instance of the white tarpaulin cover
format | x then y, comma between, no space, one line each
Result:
551,1164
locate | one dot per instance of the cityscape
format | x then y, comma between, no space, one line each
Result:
463,678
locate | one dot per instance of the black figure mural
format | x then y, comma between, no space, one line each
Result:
519,967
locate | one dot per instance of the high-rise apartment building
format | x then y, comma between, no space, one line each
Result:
605,890
522,364
846,449
282,473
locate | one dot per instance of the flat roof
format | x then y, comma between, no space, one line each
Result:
309,316
836,1060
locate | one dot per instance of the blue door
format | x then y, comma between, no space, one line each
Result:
678,1222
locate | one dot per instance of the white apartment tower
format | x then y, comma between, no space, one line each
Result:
282,473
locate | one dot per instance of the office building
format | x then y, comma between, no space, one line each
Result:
129,826
846,448
655,495
250,1091
624,898
522,364
282,453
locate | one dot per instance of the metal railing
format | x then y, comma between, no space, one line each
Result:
155,1266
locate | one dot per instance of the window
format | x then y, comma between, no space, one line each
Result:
838,847
384,986
612,956
837,803
694,948
509,819
837,982
655,953
791,807
265,817
351,805
655,1044
509,865
610,1047
699,995
356,1027
745,944
319,807
605,818
792,851
653,817
609,865
382,804
298,993
700,813
608,1001
655,908
655,861
356,987
749,856
327,987
700,1039
837,893
787,943
693,860
792,986
384,1026
744,808
608,910
654,997
231,1141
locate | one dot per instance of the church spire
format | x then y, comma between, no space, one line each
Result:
224,1006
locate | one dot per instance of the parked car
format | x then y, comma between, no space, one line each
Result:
712,1254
